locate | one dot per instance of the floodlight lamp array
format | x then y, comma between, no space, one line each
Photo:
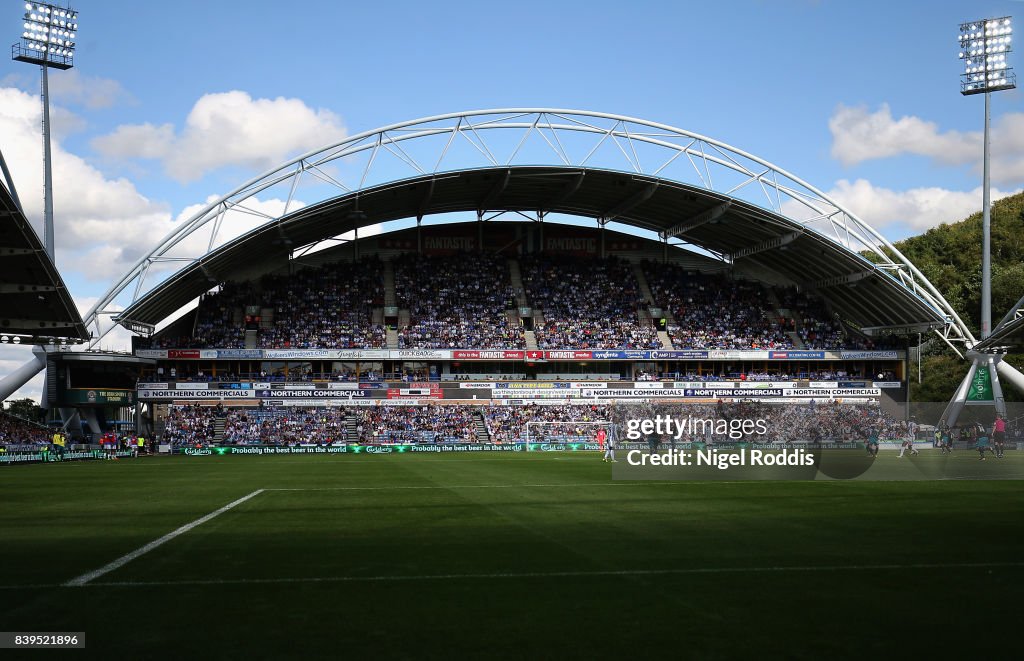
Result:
984,46
50,30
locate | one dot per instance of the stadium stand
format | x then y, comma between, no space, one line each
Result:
18,433
458,301
830,421
587,303
817,328
467,301
191,425
195,426
508,424
714,311
416,424
326,308
286,426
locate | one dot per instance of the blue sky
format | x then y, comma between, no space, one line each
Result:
861,99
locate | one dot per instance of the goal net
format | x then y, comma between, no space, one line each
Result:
564,433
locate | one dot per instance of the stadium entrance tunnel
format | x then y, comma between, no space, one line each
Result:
742,234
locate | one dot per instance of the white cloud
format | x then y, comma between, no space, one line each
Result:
103,225
229,128
91,211
11,358
73,88
859,135
136,141
918,209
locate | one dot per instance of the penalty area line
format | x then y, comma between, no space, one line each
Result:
88,577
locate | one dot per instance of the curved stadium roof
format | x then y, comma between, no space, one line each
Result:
856,288
612,168
35,306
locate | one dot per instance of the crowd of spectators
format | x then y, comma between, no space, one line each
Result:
293,376
325,308
587,302
463,301
806,375
285,426
328,307
412,424
816,327
715,311
218,321
785,423
606,334
508,424
16,432
190,425
825,421
456,302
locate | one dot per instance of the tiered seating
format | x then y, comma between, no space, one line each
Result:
15,432
288,426
326,308
190,425
588,303
714,311
416,424
456,302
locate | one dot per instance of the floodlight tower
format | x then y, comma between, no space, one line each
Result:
984,48
48,39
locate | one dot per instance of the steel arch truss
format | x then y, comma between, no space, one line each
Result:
516,137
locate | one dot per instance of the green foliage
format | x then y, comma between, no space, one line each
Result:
25,408
940,377
950,257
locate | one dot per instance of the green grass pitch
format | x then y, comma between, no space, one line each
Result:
535,555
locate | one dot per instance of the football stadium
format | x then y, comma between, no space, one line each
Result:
510,383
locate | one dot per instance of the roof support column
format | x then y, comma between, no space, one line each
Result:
480,231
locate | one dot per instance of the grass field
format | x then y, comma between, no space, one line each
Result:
508,556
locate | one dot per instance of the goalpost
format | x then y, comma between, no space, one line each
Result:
565,432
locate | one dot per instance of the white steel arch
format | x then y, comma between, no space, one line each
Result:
520,136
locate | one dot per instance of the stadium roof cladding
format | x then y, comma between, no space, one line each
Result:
34,303
735,229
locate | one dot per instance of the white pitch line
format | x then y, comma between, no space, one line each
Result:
513,575
454,486
503,486
125,559
566,574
